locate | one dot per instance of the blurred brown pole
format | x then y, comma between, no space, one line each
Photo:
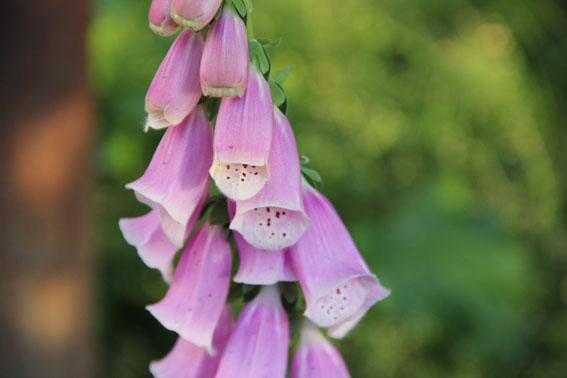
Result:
45,137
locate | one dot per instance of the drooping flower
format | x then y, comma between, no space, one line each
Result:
160,19
275,218
243,137
175,89
262,267
316,357
194,14
186,360
195,300
153,245
224,66
176,182
336,282
258,345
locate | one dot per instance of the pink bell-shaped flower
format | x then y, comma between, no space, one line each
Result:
186,360
243,138
260,266
194,14
258,345
160,19
175,89
316,357
176,182
154,247
224,66
275,218
195,300
336,282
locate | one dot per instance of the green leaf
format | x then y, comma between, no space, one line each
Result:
240,7
258,54
269,42
312,175
281,75
219,213
305,159
278,94
249,7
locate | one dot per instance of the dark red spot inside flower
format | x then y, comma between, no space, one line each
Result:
245,165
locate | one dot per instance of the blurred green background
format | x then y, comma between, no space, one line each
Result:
438,127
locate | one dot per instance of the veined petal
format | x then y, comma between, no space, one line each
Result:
316,357
224,66
154,248
275,218
242,141
196,297
186,360
160,19
259,343
262,267
337,284
176,181
175,89
194,14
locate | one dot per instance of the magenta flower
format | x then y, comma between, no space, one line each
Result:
176,183
195,300
275,218
262,267
161,22
258,345
153,245
337,284
224,66
175,89
186,360
243,137
316,357
194,14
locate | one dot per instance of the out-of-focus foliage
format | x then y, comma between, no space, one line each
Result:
436,126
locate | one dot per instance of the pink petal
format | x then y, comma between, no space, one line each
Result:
160,18
337,284
275,218
316,357
176,182
224,66
259,343
154,248
196,297
242,142
186,360
194,14
262,267
175,89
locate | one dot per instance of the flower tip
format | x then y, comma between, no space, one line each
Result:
164,30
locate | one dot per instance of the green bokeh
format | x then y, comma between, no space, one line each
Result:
437,127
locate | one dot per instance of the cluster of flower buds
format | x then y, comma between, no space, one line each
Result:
284,230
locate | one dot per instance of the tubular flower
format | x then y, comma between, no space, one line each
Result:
161,22
176,182
186,360
224,66
316,357
154,247
175,89
258,345
262,267
336,282
242,142
194,14
195,300
275,218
